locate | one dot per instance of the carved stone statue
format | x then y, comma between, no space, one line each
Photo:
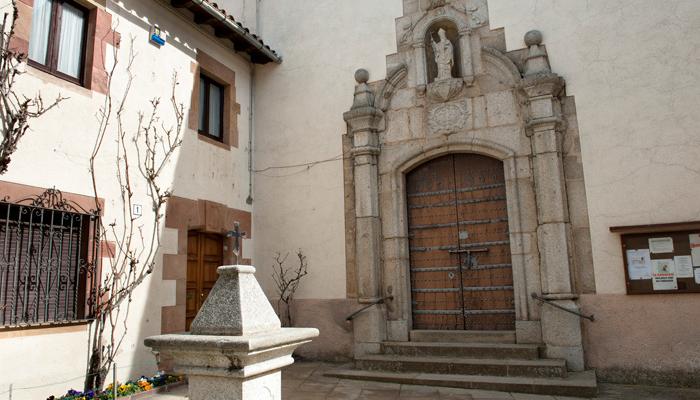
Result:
444,56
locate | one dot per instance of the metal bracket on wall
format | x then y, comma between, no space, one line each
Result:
374,303
543,300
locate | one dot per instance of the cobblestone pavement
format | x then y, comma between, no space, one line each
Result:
305,381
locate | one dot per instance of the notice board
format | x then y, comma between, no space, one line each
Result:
661,259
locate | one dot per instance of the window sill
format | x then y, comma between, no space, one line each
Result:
213,141
57,80
7,332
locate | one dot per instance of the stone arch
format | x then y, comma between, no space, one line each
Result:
395,79
395,219
412,159
501,65
482,176
459,19
421,29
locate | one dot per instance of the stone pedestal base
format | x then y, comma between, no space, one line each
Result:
262,387
237,348
369,330
561,333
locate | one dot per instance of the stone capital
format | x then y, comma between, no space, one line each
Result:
365,118
364,151
542,85
534,125
465,31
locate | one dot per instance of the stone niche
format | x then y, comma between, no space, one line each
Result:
431,36
506,105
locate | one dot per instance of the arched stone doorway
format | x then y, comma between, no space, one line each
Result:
505,105
459,248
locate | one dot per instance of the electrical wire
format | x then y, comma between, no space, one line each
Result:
308,164
306,167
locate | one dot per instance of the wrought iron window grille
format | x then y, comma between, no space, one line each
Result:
49,249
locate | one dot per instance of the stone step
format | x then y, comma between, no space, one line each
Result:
464,366
463,336
473,350
576,384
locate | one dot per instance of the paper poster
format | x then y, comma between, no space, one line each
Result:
664,275
697,276
695,249
639,264
661,245
684,266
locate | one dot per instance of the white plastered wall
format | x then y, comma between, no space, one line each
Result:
632,67
299,108
55,153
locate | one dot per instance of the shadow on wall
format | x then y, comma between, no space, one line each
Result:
145,316
328,316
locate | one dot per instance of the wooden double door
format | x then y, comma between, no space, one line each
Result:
205,253
460,261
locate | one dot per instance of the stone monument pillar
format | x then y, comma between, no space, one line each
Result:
362,120
561,331
237,347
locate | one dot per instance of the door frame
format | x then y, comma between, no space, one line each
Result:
463,259
200,279
522,217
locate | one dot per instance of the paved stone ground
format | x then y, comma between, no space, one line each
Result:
305,381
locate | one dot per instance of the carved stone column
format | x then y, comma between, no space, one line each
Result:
421,64
561,331
465,48
362,120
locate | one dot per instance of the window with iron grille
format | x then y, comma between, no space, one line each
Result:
45,267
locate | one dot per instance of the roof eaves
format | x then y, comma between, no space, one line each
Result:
225,26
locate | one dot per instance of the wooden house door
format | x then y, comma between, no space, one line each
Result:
461,274
204,256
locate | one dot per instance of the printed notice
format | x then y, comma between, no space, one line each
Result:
664,275
695,249
661,245
639,264
684,266
697,276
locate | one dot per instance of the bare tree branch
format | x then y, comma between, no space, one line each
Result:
15,113
154,145
287,280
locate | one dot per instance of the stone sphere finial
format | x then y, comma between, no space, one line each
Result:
362,75
533,38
